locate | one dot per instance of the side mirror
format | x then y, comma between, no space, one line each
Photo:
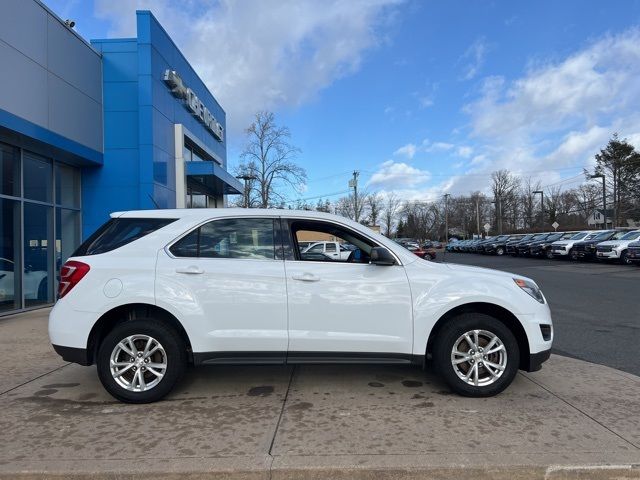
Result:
382,256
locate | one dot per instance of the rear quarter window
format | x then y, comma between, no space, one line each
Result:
119,232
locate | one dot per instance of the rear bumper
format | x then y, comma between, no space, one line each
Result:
536,360
73,354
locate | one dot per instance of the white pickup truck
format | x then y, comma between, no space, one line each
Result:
335,250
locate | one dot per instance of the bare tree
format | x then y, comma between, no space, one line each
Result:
375,204
268,157
391,207
527,201
504,187
347,206
420,220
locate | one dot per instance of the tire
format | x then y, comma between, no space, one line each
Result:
573,255
499,251
452,335
549,254
624,259
172,353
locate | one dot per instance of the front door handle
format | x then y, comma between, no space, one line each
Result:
191,269
306,277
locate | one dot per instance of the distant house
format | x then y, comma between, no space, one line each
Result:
596,219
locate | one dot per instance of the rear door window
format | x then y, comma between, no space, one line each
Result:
251,238
119,232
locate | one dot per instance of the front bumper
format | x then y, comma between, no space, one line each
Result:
612,255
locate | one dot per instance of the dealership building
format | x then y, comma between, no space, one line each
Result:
89,128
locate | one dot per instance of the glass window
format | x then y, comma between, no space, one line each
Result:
37,177
67,186
231,238
186,154
10,297
38,253
359,253
119,232
67,234
187,246
238,238
9,170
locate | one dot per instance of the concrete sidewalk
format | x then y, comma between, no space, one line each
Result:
570,420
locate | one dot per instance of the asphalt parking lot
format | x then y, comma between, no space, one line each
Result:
595,306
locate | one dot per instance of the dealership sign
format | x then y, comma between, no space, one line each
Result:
193,103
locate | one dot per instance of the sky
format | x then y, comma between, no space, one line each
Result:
424,97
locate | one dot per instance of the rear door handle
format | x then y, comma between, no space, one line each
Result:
191,270
306,277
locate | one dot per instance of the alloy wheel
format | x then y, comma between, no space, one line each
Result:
138,363
479,357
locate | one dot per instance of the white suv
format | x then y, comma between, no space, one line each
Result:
153,291
617,249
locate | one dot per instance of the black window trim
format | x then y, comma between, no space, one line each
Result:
276,247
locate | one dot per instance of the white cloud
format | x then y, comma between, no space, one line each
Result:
474,58
557,115
393,175
408,150
439,147
598,81
464,151
263,55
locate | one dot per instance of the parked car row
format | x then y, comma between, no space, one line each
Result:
426,250
622,245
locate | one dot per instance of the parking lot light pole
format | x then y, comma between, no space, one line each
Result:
541,207
446,217
604,197
246,178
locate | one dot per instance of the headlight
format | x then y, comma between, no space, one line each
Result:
615,245
531,288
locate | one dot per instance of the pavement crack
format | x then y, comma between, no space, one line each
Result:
284,402
582,412
34,379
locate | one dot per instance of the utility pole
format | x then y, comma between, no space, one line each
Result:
604,198
541,208
353,183
498,203
446,217
478,215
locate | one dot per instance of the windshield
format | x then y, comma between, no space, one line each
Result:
540,237
631,236
579,236
554,237
602,236
619,235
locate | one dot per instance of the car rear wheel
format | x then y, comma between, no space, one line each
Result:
573,255
549,254
476,355
141,361
499,251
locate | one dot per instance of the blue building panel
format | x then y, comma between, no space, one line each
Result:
140,114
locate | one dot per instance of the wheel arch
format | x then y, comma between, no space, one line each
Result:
128,312
493,310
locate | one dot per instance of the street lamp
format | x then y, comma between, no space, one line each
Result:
246,177
604,197
541,208
446,217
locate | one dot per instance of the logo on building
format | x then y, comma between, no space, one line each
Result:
193,103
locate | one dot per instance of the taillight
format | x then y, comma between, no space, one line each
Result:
70,275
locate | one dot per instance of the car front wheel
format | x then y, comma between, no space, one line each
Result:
476,355
141,361
624,258
499,251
